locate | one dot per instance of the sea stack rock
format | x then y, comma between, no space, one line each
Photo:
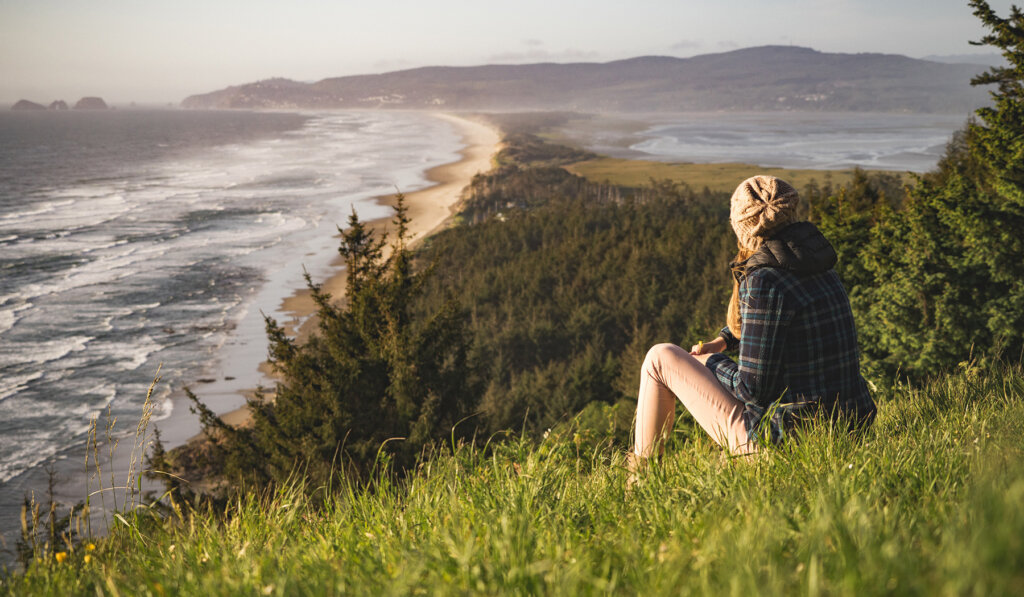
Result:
27,105
91,103
58,105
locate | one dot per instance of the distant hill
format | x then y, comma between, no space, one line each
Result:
26,105
982,59
761,78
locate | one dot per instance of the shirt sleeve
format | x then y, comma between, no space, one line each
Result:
725,369
731,342
757,378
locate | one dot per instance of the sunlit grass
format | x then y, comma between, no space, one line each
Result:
928,502
716,177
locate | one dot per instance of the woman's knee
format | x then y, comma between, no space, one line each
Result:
658,353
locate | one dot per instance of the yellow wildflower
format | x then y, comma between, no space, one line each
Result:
90,547
61,556
87,558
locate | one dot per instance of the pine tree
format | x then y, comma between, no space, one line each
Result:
374,381
999,142
947,278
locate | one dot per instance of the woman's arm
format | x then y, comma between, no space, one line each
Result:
711,346
731,342
757,378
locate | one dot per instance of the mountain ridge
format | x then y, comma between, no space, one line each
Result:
756,78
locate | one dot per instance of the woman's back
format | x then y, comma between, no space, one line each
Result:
799,341
818,359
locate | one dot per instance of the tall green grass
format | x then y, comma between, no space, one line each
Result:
927,502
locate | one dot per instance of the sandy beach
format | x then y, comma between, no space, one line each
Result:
429,208
429,211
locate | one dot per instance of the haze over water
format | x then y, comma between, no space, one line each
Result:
811,140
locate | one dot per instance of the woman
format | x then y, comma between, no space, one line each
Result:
790,318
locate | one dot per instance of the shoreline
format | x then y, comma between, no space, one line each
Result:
430,209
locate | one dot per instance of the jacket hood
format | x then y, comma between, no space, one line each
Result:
800,248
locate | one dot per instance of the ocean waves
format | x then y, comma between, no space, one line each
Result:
111,268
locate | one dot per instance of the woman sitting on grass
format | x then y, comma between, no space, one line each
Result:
790,318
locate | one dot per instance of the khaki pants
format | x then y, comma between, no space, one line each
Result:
671,373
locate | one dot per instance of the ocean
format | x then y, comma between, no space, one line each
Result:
136,239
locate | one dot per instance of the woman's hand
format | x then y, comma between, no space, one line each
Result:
703,358
708,348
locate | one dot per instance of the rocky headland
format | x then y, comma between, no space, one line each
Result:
86,103
91,103
27,106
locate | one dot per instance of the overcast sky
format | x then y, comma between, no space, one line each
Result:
146,51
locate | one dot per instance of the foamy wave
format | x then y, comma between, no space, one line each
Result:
9,313
101,271
38,353
60,244
12,384
80,208
164,405
34,210
129,356
26,448
87,411
24,453
7,319
106,316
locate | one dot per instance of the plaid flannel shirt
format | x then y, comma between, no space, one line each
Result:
798,351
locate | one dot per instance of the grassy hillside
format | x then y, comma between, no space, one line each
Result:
927,503
716,177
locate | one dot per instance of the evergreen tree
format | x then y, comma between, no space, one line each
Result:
375,380
847,216
999,142
947,278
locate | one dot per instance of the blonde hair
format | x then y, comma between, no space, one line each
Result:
732,315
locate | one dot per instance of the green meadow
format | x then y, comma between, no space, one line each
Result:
926,503
715,177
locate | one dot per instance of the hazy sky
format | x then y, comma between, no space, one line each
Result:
146,51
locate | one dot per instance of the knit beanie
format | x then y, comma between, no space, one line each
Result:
761,205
